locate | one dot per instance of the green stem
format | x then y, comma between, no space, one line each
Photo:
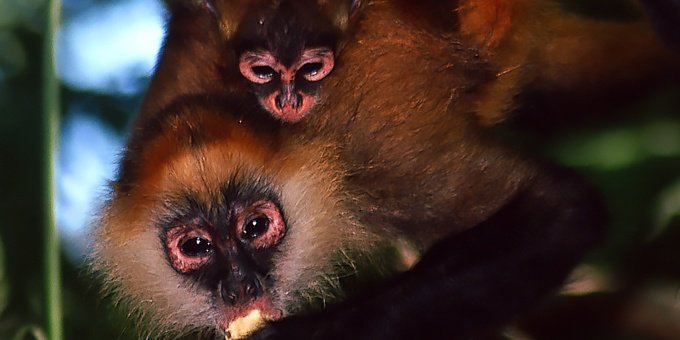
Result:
50,119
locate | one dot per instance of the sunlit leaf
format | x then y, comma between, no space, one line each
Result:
668,208
621,147
607,150
662,138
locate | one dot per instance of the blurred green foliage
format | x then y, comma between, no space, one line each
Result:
634,160
86,314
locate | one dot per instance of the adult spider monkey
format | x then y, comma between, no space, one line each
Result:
411,87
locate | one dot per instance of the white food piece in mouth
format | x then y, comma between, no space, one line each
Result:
243,327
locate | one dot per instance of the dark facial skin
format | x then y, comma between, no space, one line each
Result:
241,234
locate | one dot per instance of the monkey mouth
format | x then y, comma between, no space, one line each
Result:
288,111
239,321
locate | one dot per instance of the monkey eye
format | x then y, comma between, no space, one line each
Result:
316,63
257,66
188,246
263,72
260,224
309,71
255,227
196,247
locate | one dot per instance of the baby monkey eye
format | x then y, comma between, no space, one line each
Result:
196,247
263,72
255,227
311,69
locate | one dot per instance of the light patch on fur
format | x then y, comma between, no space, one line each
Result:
135,271
243,327
408,255
586,279
324,242
230,14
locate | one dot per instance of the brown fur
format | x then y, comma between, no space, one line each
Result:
198,151
538,46
414,153
396,145
410,135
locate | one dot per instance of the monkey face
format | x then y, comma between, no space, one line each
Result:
226,246
287,91
285,48
197,228
211,221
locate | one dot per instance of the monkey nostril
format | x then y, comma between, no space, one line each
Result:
231,297
228,293
253,287
296,101
251,290
279,101
235,291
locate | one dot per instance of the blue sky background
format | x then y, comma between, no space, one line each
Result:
104,48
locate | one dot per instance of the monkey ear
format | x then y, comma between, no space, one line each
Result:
230,13
354,4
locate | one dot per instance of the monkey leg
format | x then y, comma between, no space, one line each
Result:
477,281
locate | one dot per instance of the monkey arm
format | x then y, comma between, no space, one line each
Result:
474,281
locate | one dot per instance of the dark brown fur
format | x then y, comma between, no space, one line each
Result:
399,131
193,149
415,131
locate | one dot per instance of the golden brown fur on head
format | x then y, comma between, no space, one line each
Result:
196,151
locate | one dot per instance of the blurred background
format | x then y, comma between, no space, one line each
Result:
106,53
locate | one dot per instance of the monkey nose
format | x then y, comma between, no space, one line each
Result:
235,291
290,99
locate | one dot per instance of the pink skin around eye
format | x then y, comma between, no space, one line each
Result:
323,56
252,59
175,237
275,231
